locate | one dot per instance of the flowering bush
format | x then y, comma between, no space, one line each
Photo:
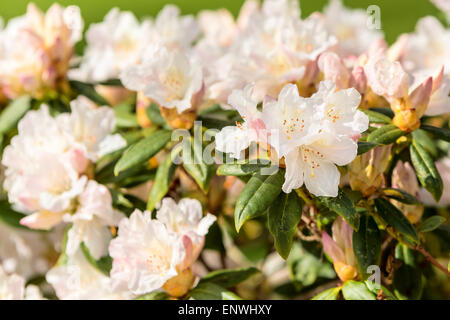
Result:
208,157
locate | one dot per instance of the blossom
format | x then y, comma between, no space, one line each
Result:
340,249
12,287
111,45
167,76
145,254
77,279
350,27
35,50
91,221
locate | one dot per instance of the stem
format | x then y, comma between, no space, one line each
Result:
431,259
304,197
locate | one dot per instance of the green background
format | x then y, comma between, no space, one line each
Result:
397,16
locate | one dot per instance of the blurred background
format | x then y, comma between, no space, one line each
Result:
397,16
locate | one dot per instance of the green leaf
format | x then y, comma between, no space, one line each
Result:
283,216
211,291
430,224
440,133
356,290
343,206
377,117
104,264
214,238
330,294
154,296
163,179
13,113
395,218
386,111
407,280
243,169
364,146
155,116
426,170
88,90
195,165
422,138
399,195
143,150
256,197
125,117
375,289
367,245
229,277
385,135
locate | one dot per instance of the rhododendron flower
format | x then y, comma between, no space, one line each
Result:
111,45
167,76
35,50
77,279
340,249
12,287
91,221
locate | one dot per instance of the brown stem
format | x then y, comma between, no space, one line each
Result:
430,258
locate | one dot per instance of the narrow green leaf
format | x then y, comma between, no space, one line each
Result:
243,169
430,224
330,294
343,206
163,179
125,117
379,289
143,150
385,135
155,116
364,146
211,291
88,90
367,245
426,170
440,133
13,113
422,138
283,216
386,111
257,196
356,290
395,218
377,117
229,277
399,195
104,264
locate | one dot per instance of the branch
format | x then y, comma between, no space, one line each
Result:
431,259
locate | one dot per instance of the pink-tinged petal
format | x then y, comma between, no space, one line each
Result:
437,80
359,79
331,248
334,69
398,49
420,97
189,249
78,159
44,220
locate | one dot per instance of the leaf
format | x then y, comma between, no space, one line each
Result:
395,218
12,217
88,90
430,224
214,238
104,264
154,114
229,277
367,245
379,290
364,146
211,291
385,135
125,117
163,179
426,170
143,150
330,294
422,138
343,206
243,169
154,296
407,280
283,216
13,113
399,195
257,195
440,133
377,117
356,290
386,111
195,165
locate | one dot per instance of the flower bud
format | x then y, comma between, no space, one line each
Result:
179,285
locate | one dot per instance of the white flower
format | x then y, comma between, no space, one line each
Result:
79,280
91,221
235,139
350,26
89,128
12,287
186,219
167,76
111,45
443,5
145,254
